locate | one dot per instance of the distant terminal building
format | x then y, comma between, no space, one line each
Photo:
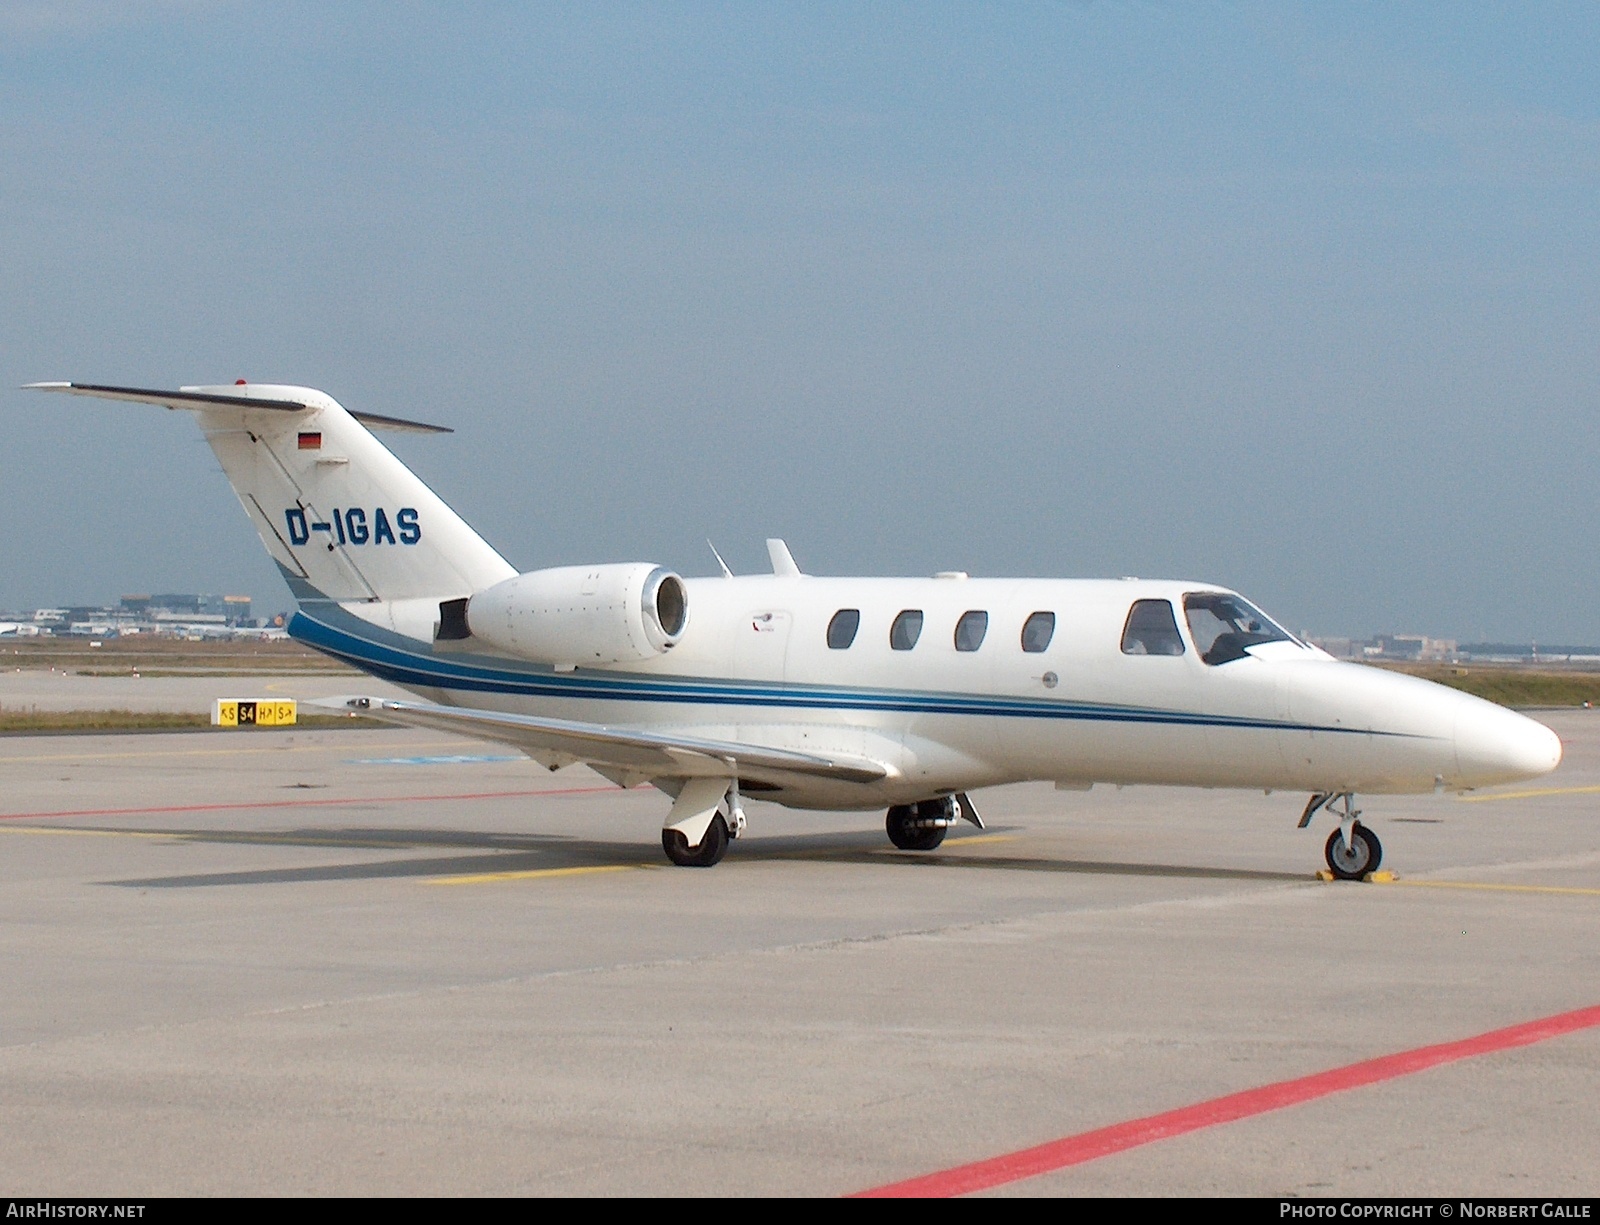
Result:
1416,647
1410,648
182,613
181,606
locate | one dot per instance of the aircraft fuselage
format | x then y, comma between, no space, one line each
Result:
755,665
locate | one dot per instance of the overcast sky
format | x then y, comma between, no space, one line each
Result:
1300,299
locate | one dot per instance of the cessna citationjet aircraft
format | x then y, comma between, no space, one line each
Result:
832,693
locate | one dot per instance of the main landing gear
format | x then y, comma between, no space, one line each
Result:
923,825
708,814
713,845
705,817
1353,851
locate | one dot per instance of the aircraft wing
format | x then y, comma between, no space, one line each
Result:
614,750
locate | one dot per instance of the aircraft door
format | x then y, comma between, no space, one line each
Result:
761,645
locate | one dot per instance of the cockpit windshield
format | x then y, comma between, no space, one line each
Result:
1222,626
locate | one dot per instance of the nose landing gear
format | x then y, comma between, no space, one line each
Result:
1352,857
1353,851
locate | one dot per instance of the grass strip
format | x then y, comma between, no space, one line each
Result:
1512,686
204,672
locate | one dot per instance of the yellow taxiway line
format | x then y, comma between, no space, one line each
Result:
1492,887
1531,794
489,878
969,839
486,878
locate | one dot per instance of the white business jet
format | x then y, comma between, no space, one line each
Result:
823,693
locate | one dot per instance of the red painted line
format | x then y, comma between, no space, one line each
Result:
1092,1145
319,803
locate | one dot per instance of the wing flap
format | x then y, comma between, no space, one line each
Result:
626,750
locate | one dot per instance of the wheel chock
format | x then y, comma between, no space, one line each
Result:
1372,878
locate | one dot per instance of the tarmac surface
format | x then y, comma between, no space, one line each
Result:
40,689
392,962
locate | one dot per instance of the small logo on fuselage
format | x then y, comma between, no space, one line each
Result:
353,526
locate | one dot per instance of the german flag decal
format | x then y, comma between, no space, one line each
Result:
311,441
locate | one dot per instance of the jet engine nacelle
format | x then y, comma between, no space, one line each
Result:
572,615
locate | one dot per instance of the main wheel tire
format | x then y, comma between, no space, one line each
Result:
708,854
907,834
1353,862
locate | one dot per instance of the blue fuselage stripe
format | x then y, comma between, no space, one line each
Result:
426,670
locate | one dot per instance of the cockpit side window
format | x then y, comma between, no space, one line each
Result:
1224,625
905,631
842,629
1151,629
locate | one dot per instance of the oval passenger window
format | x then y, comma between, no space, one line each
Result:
842,629
971,629
1037,632
905,631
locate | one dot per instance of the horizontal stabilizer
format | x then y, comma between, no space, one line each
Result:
191,397
651,754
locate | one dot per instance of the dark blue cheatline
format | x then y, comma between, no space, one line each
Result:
394,658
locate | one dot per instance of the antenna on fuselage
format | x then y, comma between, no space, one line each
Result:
783,563
726,573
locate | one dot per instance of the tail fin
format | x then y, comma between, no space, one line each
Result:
343,518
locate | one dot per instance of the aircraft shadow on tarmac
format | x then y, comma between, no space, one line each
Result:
520,853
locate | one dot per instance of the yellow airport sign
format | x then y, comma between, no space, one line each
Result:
254,712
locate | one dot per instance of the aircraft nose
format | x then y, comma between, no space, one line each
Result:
1496,745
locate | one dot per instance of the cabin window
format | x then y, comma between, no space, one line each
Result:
842,629
1222,626
1151,629
971,629
905,631
1037,631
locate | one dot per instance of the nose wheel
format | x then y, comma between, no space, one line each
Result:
1353,859
1353,850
